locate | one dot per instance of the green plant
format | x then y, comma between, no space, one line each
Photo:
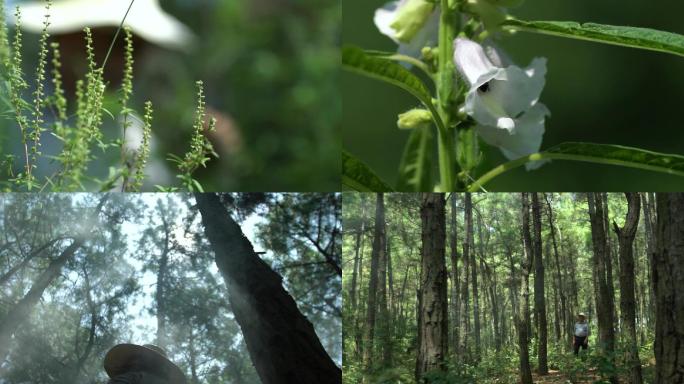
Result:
80,133
472,95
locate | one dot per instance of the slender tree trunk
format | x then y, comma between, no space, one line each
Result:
433,332
282,343
352,291
559,277
668,280
524,317
357,314
383,325
649,214
455,302
473,271
160,296
465,299
539,299
626,236
20,312
604,309
378,247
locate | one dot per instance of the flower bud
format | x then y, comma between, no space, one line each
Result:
414,118
410,19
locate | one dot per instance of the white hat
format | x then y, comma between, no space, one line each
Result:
146,19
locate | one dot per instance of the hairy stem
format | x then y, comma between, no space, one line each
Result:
448,25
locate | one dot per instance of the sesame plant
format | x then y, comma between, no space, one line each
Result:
471,93
78,124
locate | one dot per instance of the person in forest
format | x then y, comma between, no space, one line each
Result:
580,338
141,364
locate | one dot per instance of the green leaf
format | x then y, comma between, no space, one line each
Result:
634,37
354,59
415,166
595,153
359,177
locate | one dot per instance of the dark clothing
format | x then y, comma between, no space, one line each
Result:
580,342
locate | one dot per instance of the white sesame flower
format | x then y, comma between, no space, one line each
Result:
503,100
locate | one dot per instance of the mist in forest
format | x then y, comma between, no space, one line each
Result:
81,273
513,288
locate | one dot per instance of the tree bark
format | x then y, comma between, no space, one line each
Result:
473,270
524,317
384,336
433,330
649,223
626,236
465,299
160,296
602,285
559,277
539,299
455,302
282,343
371,309
668,280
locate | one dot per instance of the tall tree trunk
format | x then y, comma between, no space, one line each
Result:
539,299
668,279
567,332
383,323
433,332
352,291
371,309
524,317
282,343
455,302
20,312
610,247
473,271
160,297
649,223
604,309
194,378
626,236
465,299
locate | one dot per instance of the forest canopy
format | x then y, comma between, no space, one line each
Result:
80,273
506,288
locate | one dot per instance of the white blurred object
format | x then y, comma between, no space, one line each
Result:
146,19
156,171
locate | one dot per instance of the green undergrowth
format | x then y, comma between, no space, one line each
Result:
503,368
38,112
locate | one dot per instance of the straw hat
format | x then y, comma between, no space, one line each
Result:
146,19
148,357
581,314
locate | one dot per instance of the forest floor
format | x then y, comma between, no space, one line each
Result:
558,377
590,377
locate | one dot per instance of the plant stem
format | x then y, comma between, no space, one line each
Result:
487,177
448,25
109,51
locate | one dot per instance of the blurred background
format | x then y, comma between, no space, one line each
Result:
270,70
596,93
